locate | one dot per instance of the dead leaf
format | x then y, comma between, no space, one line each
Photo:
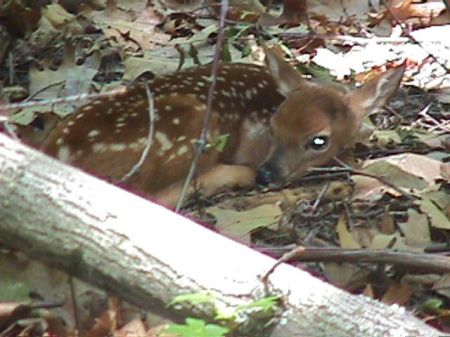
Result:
382,241
336,10
135,328
397,294
368,291
105,325
445,171
416,229
394,174
386,225
239,224
419,165
436,216
345,275
370,188
346,239
443,284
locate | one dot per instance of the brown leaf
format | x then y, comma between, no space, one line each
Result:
346,238
397,294
416,229
135,328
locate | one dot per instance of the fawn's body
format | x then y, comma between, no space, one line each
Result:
278,125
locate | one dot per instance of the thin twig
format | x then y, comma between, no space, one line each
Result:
29,98
351,170
374,39
417,261
200,145
320,196
73,98
151,131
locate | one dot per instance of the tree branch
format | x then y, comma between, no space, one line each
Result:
148,255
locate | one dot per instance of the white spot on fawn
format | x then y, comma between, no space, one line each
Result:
255,128
172,157
93,133
248,94
99,147
139,145
200,107
225,93
64,153
117,147
176,121
165,142
182,150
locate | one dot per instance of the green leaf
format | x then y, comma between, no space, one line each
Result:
264,304
197,328
14,292
197,298
433,305
221,141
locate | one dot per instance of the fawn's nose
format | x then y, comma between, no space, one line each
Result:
267,174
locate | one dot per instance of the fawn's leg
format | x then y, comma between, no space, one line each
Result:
217,179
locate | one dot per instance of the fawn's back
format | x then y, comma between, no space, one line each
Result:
278,125
107,136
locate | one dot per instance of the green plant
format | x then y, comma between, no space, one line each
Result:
261,308
197,328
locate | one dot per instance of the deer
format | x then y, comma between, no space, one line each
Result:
278,125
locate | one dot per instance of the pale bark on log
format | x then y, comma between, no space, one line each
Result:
148,255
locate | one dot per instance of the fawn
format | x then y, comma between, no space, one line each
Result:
279,125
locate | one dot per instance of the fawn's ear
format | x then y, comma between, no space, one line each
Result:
375,93
286,77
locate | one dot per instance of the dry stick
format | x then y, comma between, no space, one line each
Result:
320,196
151,131
74,303
440,126
374,39
339,171
67,99
200,145
29,98
422,261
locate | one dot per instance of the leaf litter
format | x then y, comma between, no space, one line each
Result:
61,50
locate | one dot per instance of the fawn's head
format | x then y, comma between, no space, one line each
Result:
314,122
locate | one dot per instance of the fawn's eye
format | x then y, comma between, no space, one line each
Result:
318,143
